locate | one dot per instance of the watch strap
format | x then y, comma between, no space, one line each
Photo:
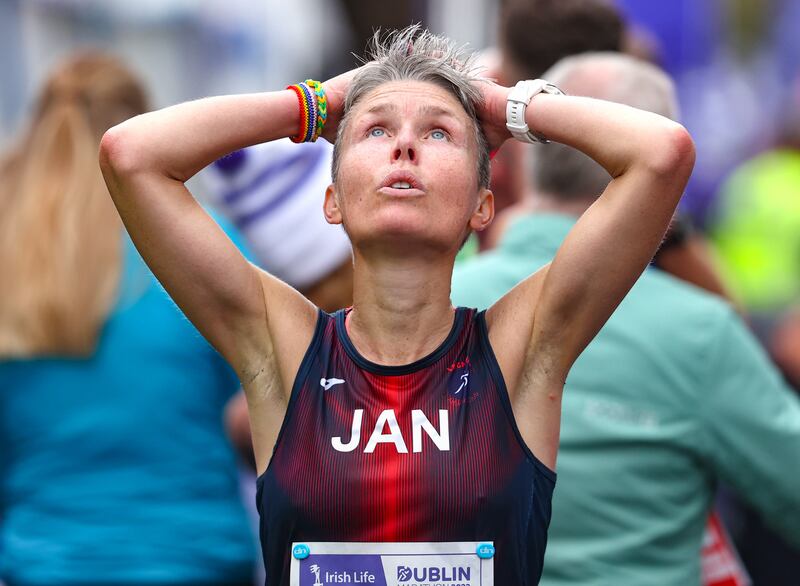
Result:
517,103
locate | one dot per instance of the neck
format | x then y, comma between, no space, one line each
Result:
401,307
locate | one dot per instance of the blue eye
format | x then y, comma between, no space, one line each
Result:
438,135
377,131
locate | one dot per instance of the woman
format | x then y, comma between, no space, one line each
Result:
114,466
401,420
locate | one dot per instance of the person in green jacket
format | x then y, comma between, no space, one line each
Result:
673,394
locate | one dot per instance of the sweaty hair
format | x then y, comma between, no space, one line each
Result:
60,236
566,174
535,34
414,54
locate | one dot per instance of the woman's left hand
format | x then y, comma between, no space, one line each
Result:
492,113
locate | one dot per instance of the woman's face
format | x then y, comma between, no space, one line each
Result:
408,171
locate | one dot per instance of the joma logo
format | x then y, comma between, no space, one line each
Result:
387,418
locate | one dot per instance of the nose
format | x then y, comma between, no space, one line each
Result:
404,148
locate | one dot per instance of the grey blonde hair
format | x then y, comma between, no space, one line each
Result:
565,173
415,54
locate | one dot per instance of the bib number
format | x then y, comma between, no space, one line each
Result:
460,563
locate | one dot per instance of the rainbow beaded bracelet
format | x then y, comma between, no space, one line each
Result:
305,114
313,110
322,106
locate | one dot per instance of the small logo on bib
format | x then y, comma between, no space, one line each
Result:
458,380
301,551
327,383
316,570
464,383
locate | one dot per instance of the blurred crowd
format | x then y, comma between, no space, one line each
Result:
125,454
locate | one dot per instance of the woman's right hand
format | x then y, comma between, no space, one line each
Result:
336,90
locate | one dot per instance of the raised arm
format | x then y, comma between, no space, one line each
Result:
649,159
146,161
544,324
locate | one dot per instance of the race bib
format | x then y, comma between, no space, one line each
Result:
461,563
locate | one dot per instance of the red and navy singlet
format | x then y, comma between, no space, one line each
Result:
426,452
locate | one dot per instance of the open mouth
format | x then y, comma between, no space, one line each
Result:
401,183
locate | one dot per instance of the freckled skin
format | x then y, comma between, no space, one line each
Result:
405,138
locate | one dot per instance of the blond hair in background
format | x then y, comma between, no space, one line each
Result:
60,236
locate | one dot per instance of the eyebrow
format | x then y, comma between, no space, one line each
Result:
437,111
382,108
425,110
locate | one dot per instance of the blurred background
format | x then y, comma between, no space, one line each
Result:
736,64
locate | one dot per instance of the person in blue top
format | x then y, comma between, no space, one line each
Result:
114,466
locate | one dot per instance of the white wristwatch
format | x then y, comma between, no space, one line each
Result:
516,104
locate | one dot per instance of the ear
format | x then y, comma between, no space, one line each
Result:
333,214
484,212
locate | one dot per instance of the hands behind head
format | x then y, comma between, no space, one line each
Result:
336,91
491,114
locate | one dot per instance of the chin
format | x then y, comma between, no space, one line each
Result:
405,228
403,238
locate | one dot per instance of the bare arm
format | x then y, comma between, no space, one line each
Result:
564,305
259,324
146,161
650,159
